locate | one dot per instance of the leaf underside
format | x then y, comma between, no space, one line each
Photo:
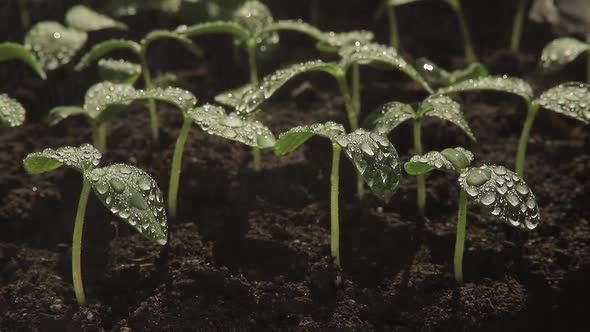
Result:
54,45
422,164
570,99
12,113
505,194
506,84
118,71
561,52
83,18
60,113
132,195
81,158
232,98
231,28
15,51
445,108
176,36
100,49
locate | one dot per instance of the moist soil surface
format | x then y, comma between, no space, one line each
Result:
250,251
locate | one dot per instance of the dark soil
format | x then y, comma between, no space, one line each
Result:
249,252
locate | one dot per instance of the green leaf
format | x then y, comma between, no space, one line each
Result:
296,26
132,7
100,49
438,77
12,113
254,16
334,41
560,52
54,45
165,34
502,192
399,2
449,160
570,99
132,195
214,120
168,79
389,116
375,159
214,27
60,113
105,99
232,98
255,96
14,51
82,158
85,19
182,99
506,84
289,141
380,54
445,108
118,71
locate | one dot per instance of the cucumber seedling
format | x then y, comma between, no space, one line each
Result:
127,191
393,114
455,5
570,99
373,156
492,187
562,51
141,51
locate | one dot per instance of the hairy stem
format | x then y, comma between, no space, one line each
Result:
99,137
177,166
77,244
524,138
421,185
394,40
460,240
470,56
517,27
147,79
335,226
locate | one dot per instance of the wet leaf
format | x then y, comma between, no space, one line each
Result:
83,18
255,17
60,113
132,195
215,121
232,98
448,160
570,99
82,158
296,26
445,108
180,98
118,71
335,41
165,34
214,27
54,45
12,113
132,7
389,116
100,49
562,51
14,51
104,100
439,77
506,84
502,192
291,140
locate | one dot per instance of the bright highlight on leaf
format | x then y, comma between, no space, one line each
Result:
54,45
14,51
83,18
12,113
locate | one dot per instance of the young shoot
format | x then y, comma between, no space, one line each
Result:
495,188
141,51
374,157
562,51
518,25
570,99
455,5
393,114
127,191
12,113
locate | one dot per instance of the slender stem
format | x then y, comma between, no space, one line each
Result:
421,185
147,79
460,240
335,226
524,138
394,40
517,27
77,244
251,49
25,18
99,137
468,44
356,88
177,166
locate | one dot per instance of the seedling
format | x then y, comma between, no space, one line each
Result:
470,56
517,26
438,77
492,187
140,49
562,51
102,103
12,113
375,159
570,99
128,192
393,114
54,45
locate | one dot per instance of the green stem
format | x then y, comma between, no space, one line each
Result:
524,138
25,18
77,244
177,166
460,240
251,50
421,185
335,226
356,88
470,56
99,137
517,27
147,79
394,40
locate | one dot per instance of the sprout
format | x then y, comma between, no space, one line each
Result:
12,113
495,188
570,99
140,49
517,26
457,8
375,159
562,51
128,192
393,114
